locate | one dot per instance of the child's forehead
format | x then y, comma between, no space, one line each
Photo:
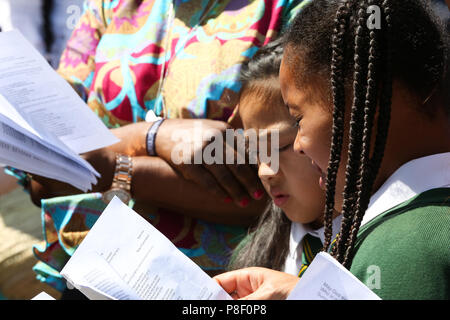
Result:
264,111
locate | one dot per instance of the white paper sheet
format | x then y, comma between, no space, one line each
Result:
97,280
327,279
43,296
10,116
137,259
70,171
45,100
22,159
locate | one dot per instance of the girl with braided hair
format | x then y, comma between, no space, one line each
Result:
373,114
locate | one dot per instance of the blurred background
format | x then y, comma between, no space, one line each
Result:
47,24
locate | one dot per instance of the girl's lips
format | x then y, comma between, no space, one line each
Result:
322,177
317,167
280,200
322,183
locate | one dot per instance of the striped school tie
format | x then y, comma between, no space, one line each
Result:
311,246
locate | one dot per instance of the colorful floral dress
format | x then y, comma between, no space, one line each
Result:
120,56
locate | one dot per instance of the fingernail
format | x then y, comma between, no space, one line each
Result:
258,194
228,200
244,202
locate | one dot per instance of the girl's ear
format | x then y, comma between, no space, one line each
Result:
235,120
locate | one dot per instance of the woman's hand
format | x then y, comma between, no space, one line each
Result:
182,143
257,284
103,160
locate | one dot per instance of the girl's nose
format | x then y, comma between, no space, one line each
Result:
297,145
265,171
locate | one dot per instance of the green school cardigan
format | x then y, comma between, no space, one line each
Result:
404,253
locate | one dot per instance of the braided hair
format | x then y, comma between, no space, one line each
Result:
268,242
335,42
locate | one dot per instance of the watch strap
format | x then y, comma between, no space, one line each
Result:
123,172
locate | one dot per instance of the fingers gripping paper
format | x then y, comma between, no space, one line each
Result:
44,124
124,257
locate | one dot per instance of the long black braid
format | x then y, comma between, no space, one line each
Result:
338,88
352,184
369,166
410,46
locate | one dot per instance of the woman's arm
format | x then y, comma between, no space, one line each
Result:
156,182
197,190
132,139
239,183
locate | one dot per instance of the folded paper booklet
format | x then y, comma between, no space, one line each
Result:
44,124
327,279
123,257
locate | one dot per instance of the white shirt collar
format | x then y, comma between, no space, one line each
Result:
298,231
411,179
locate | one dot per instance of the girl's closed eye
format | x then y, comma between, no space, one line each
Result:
297,122
286,147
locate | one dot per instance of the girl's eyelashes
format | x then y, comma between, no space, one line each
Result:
286,147
297,122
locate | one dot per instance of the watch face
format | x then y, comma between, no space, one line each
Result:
123,195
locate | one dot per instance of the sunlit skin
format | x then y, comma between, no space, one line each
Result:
294,186
420,136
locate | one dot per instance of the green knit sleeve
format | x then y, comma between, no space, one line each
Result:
407,255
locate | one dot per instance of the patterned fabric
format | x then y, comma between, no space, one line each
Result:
114,60
117,53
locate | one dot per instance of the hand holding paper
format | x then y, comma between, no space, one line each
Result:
125,257
44,124
257,284
325,279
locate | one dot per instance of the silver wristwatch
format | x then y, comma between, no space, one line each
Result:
121,185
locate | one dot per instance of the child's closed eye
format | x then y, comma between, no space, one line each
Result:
286,147
297,122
